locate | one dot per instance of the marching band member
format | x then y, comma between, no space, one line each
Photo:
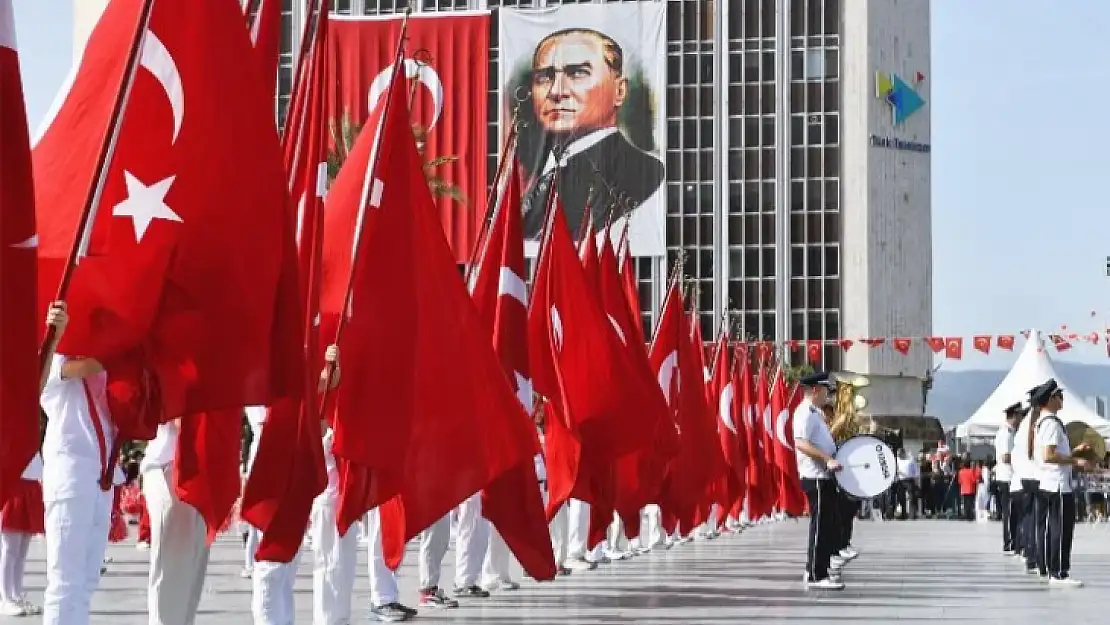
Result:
77,482
1024,490
1053,462
1004,473
814,449
846,509
179,537
22,518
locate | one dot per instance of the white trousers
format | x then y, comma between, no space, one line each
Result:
334,558
578,521
651,526
253,538
383,581
178,552
272,583
76,537
559,534
498,564
433,548
13,561
616,539
472,539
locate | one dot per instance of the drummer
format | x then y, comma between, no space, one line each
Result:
1053,459
814,448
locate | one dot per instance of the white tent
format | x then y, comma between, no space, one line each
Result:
1032,368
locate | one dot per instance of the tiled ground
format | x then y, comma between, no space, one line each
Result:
917,571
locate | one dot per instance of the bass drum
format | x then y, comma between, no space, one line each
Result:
869,467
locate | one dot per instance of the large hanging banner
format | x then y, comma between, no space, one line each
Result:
447,75
588,81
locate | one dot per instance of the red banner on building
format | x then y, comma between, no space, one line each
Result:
447,67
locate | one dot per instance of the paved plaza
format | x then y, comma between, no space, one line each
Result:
909,572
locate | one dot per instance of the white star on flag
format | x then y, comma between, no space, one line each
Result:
145,203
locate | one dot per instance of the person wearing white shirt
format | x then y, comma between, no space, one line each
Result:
77,485
1004,475
814,448
1024,492
908,474
22,518
272,601
178,537
1053,462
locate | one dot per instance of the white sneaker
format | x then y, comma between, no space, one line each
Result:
144,546
849,552
30,608
246,573
580,564
837,562
8,608
1066,582
826,584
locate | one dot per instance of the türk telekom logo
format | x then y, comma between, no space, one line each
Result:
904,100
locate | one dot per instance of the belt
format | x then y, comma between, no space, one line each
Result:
107,458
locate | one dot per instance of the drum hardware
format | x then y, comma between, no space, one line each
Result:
1080,433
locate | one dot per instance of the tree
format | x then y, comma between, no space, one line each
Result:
796,372
345,133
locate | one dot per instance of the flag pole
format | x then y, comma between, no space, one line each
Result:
364,200
85,223
496,196
309,41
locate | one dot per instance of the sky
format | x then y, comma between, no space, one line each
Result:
1019,145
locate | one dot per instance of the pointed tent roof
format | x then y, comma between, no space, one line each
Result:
1033,367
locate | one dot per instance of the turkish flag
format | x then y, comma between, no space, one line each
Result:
513,502
206,467
19,325
902,345
1006,342
792,499
640,474
722,393
1061,343
814,351
449,77
954,347
632,295
936,343
739,457
264,22
411,421
189,238
982,343
289,470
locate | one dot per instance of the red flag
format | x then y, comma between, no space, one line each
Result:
265,30
814,351
640,474
954,347
1061,343
513,502
872,342
290,458
414,424
845,344
902,345
195,168
936,343
206,467
632,294
792,499
982,343
723,395
740,458
1006,342
449,69
19,325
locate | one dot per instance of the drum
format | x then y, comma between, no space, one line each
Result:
870,467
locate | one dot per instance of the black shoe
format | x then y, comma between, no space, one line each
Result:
472,592
387,614
404,608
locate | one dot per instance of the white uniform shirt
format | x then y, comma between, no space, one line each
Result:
33,470
908,469
71,450
1003,444
256,416
1053,477
163,449
330,465
1020,464
809,424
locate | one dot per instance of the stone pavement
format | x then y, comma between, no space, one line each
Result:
909,572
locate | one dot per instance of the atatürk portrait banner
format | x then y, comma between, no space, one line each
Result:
589,80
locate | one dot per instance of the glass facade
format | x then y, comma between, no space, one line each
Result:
752,156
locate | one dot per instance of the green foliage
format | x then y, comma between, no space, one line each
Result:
345,133
795,372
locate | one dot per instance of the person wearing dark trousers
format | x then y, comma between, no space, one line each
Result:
1004,472
814,447
1053,460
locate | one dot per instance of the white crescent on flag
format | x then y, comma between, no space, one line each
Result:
557,328
724,407
508,283
780,429
666,373
427,76
159,62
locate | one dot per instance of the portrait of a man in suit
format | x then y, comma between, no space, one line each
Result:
578,86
